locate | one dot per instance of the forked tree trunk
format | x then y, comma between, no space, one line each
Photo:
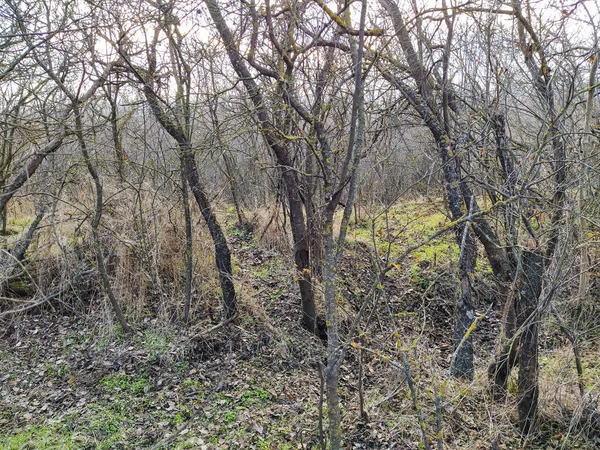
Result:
280,152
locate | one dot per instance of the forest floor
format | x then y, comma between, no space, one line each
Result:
72,380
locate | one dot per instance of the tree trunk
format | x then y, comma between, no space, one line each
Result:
500,369
222,253
21,246
97,217
290,179
229,168
313,218
333,338
527,318
189,264
463,348
507,356
465,313
120,155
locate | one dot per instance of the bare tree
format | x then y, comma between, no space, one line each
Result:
177,121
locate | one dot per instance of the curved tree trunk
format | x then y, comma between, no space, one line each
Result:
222,253
97,217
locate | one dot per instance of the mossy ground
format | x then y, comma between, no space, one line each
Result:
394,229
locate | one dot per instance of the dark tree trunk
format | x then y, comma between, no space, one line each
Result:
463,318
21,247
507,357
527,317
508,353
120,155
230,169
301,252
222,253
189,265
313,219
290,178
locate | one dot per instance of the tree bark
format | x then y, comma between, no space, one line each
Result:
507,356
527,317
189,263
290,178
222,253
465,312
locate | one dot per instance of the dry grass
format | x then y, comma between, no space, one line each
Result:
143,242
269,227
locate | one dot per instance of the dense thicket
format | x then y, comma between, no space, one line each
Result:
133,135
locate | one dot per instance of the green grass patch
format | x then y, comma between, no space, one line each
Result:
156,342
229,417
55,436
125,383
253,396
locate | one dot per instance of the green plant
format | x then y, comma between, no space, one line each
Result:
257,395
182,415
156,342
126,383
229,416
44,437
182,366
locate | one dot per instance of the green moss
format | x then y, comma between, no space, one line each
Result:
409,224
404,226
